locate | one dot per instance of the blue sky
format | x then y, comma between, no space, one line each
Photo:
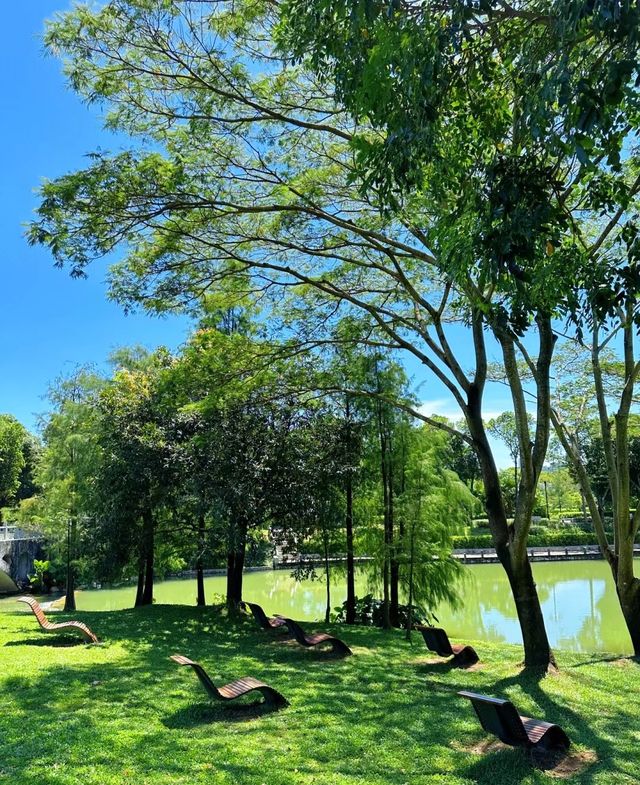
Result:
50,323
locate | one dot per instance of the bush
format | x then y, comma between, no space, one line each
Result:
41,581
369,613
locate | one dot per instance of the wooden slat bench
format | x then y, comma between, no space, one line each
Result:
500,718
337,646
54,627
261,617
438,641
234,689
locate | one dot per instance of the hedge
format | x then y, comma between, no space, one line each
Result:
541,540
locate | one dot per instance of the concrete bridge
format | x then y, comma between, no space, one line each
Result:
18,549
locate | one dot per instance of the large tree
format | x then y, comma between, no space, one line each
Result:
246,174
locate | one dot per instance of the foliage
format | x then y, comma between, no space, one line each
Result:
453,180
549,538
41,580
369,613
13,437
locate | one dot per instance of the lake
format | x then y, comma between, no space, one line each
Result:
578,601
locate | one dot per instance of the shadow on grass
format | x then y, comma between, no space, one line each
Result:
53,640
369,718
440,667
577,727
206,713
630,659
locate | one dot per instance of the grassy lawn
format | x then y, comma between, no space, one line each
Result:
123,713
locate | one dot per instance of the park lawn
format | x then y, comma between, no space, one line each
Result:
122,713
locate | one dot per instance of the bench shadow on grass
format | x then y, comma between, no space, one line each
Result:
559,764
53,640
206,713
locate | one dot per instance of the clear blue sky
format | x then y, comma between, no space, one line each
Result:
50,323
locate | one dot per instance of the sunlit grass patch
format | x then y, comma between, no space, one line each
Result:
124,714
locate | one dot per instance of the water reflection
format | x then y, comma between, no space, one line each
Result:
578,601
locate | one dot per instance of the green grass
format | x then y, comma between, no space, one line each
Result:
123,713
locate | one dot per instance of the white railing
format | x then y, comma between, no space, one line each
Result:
9,532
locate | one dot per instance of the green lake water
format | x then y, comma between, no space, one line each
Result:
578,601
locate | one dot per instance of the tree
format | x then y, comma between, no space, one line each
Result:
432,505
463,460
138,466
67,466
504,427
612,386
535,99
253,177
12,458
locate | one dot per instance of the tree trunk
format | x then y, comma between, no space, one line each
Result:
200,561
351,572
70,596
235,566
351,579
384,475
629,598
140,587
537,651
147,550
327,573
394,567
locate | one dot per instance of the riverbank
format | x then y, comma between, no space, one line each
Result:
123,714
578,599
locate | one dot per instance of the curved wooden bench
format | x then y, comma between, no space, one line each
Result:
261,617
234,689
337,646
48,626
500,718
437,640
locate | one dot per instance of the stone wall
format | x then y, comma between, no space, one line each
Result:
17,553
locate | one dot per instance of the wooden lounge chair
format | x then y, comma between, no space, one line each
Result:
48,626
437,640
500,718
338,646
261,617
234,689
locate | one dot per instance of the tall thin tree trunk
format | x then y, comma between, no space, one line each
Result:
394,567
70,596
147,557
384,474
351,579
140,587
351,571
200,560
327,574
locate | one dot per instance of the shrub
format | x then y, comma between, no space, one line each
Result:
42,580
369,613
540,539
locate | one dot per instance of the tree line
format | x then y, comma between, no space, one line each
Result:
211,456
410,166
